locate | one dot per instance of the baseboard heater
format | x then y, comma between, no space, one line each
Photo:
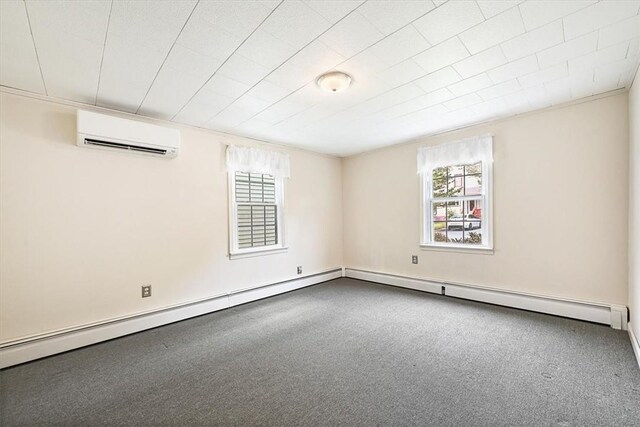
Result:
35,347
608,314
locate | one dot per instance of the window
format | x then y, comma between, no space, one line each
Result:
256,212
256,200
456,195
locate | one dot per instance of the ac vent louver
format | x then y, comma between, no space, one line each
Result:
109,144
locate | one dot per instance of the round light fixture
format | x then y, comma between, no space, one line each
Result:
334,81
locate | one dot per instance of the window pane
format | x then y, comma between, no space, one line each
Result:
439,179
439,211
457,170
473,237
472,185
455,186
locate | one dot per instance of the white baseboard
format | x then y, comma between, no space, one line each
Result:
24,351
613,315
634,343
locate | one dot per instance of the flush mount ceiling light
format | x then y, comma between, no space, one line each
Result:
334,81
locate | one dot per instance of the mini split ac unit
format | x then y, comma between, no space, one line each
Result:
113,133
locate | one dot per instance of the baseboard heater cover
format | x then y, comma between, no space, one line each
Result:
31,349
634,342
608,314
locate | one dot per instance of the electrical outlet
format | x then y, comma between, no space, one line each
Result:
299,269
414,259
146,291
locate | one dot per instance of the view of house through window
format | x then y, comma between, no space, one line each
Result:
456,203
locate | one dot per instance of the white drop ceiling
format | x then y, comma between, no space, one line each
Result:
249,67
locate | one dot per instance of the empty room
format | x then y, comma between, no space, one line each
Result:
320,213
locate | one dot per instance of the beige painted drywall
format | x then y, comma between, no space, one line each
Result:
560,207
634,205
82,230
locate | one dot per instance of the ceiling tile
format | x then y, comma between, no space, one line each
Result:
295,23
243,70
621,31
198,33
202,108
69,38
543,76
439,79
18,62
305,66
229,118
351,35
84,20
599,58
170,92
391,16
481,62
239,18
597,16
401,73
498,29
333,10
492,8
127,73
533,41
399,46
565,51
135,49
269,92
449,20
541,12
441,55
514,69
266,50
436,97
472,84
150,25
226,86
500,90
463,101
251,104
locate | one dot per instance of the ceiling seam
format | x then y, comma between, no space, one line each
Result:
166,57
270,72
26,10
104,47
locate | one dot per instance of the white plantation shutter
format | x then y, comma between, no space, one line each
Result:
256,210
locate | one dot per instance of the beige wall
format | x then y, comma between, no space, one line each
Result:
634,205
82,230
560,207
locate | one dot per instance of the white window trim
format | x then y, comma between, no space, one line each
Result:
426,215
237,253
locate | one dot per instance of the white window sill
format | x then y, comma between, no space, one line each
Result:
258,252
486,250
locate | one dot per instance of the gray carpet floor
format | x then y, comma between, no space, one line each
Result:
344,352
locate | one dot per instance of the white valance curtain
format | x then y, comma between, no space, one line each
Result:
463,152
255,160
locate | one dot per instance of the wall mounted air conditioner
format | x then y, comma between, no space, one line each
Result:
116,134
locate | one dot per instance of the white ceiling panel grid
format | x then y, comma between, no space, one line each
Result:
249,67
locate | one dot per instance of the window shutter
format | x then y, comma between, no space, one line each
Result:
257,211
